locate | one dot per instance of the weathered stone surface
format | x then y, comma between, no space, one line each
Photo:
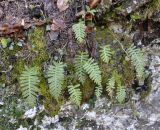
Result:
132,5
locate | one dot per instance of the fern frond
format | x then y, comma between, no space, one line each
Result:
138,60
121,94
105,53
75,94
79,30
98,90
94,73
111,86
93,70
28,82
152,7
79,62
55,76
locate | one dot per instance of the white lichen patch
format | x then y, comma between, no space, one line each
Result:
49,120
31,113
22,128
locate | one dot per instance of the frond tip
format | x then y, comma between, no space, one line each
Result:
98,90
105,53
79,30
75,94
55,78
28,82
111,86
93,70
121,94
79,62
138,60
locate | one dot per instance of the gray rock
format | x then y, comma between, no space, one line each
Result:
53,35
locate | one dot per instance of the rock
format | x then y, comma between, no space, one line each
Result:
22,128
91,115
102,103
1,103
131,5
1,13
49,120
31,113
117,28
53,35
85,106
67,110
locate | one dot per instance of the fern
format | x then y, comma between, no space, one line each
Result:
115,82
137,59
94,72
153,7
79,62
121,94
75,94
28,82
55,78
105,53
111,86
98,91
79,30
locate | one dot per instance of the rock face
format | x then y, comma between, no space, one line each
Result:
136,115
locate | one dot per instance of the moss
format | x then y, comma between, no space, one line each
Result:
2,78
128,73
52,107
36,38
87,90
37,41
103,34
19,66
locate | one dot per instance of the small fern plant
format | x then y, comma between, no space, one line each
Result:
29,85
80,59
93,70
121,93
114,85
75,94
111,86
55,76
79,30
138,60
105,53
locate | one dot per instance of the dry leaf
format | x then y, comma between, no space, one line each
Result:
94,3
58,24
62,5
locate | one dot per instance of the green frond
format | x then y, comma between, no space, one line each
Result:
79,30
94,73
75,94
138,60
28,82
105,53
111,86
55,76
93,70
121,94
152,7
98,90
79,62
